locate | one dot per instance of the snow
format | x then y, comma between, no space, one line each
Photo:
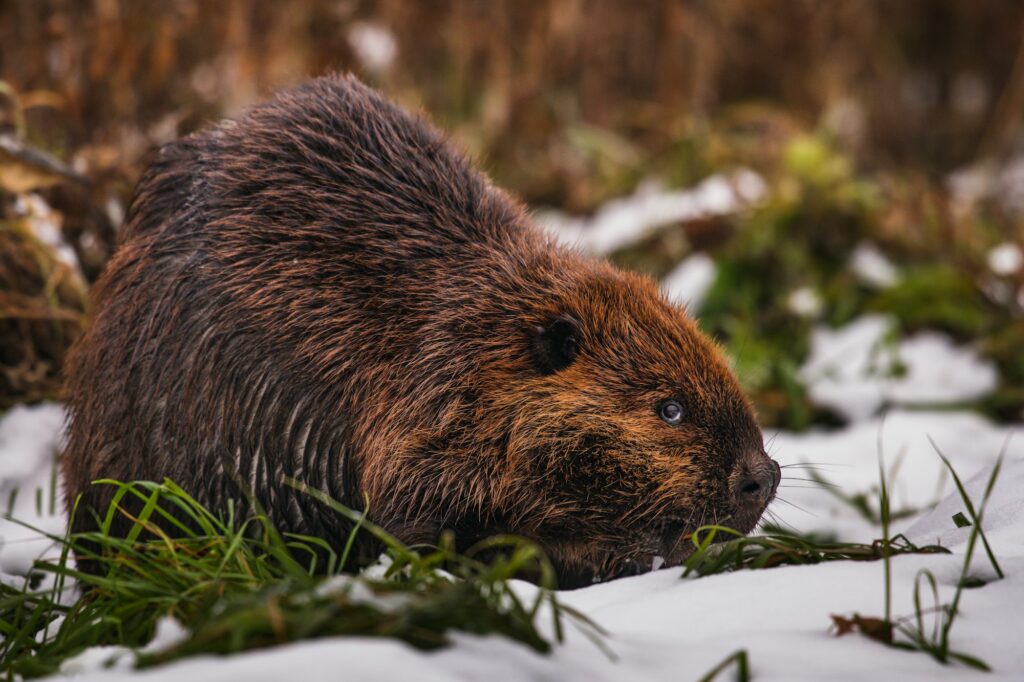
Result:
872,267
29,442
374,45
804,302
358,592
622,222
999,181
94,659
169,632
690,281
916,476
1005,259
663,627
1003,514
855,371
45,224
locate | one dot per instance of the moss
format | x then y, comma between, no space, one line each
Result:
937,296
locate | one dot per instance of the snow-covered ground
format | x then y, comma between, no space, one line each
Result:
659,625
29,442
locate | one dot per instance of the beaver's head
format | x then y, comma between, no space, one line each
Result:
602,424
630,433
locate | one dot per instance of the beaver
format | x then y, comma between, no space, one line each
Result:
326,290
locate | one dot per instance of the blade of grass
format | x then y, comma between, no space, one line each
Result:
742,660
967,500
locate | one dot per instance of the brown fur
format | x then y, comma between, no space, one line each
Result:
325,290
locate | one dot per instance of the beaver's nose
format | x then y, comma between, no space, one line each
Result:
757,479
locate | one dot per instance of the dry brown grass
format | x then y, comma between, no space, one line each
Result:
112,77
42,302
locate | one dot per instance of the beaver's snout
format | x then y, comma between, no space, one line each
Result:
755,482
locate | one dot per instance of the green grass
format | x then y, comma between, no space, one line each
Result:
236,585
911,633
861,502
776,547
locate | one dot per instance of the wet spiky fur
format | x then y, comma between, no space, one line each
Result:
325,290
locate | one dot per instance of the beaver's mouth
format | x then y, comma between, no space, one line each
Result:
612,567
669,543
589,554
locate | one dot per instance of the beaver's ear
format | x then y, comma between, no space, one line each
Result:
555,345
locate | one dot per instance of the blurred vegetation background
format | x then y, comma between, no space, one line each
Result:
896,124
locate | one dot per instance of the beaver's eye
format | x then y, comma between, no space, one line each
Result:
671,412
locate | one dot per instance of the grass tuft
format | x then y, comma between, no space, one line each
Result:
911,633
777,547
237,584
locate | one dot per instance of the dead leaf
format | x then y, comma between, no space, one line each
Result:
877,629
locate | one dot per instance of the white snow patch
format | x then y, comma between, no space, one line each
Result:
1006,259
45,224
97,663
374,45
872,267
49,632
1010,185
169,633
689,282
625,221
804,302
358,592
988,179
1002,521
30,438
115,213
849,458
853,370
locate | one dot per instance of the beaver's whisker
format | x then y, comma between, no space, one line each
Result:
686,534
827,484
795,506
762,523
779,521
799,487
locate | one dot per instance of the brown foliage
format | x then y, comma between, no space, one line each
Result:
930,75
42,303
